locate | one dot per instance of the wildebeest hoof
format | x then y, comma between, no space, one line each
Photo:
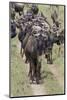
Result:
37,82
49,62
26,61
45,56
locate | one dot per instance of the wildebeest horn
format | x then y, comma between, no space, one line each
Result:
43,35
37,34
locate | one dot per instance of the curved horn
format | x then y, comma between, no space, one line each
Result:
37,34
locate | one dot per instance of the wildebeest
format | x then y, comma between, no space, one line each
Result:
13,29
34,46
26,29
48,47
12,14
19,8
54,38
60,40
32,54
34,8
35,29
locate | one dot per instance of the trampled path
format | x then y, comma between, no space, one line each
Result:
41,89
37,89
56,74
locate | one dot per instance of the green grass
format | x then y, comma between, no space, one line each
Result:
19,80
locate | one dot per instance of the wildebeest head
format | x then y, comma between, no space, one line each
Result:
61,37
34,9
41,40
19,7
58,37
32,53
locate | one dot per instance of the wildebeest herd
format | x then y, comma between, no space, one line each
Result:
36,36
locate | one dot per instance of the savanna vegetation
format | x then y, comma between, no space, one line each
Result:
52,74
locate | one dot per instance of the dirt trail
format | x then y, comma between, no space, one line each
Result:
40,89
56,74
37,89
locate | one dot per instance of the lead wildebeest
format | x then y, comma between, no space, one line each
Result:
32,54
34,46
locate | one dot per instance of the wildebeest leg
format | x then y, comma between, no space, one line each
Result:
21,53
51,57
37,73
26,60
30,71
39,65
21,50
29,74
34,70
38,70
59,51
48,57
